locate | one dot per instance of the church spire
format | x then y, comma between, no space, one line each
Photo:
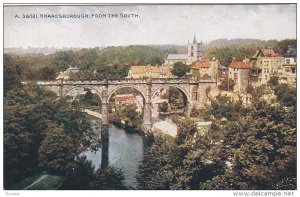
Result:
194,41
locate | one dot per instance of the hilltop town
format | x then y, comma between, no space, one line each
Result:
199,111
234,80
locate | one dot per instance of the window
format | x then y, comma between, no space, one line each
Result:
287,61
192,54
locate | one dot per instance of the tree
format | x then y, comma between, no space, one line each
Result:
224,107
250,89
108,178
180,163
194,112
12,73
47,73
225,84
261,148
130,113
156,172
27,112
57,151
176,99
80,176
273,81
286,94
163,107
185,132
180,69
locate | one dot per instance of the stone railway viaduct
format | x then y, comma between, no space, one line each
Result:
194,91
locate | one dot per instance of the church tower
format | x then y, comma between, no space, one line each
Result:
195,50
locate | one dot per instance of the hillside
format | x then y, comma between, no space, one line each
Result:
224,49
235,42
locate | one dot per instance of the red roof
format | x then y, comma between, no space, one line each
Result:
157,69
265,53
202,64
241,65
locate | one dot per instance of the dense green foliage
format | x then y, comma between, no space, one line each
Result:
223,107
107,63
262,150
176,99
286,94
227,85
254,149
179,163
127,114
41,133
89,100
180,69
83,176
164,107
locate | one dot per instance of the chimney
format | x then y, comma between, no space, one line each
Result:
246,60
233,59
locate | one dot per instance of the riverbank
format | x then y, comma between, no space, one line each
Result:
127,128
166,127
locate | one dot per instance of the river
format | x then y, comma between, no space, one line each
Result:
125,152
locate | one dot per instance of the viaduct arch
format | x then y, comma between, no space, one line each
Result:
193,90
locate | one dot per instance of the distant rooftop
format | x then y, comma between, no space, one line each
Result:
240,65
177,57
265,52
202,64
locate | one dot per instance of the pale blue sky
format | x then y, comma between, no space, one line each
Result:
157,24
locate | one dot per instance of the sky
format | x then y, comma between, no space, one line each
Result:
149,24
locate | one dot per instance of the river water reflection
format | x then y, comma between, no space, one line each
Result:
125,152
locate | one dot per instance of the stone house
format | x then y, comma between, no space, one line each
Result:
205,69
239,72
288,72
266,63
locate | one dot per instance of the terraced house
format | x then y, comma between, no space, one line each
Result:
239,72
288,72
266,63
205,69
